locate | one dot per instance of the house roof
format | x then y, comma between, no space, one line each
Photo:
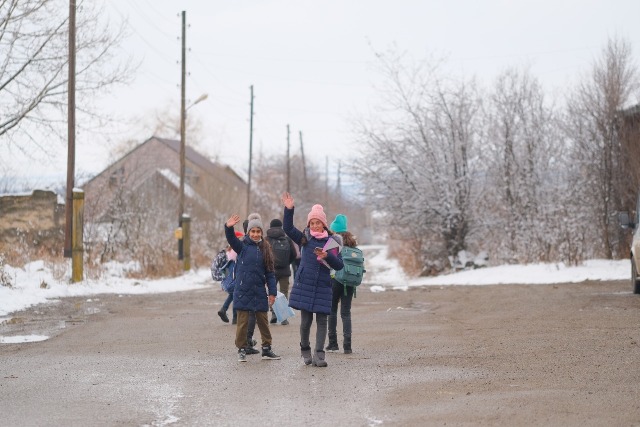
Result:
197,158
631,111
192,156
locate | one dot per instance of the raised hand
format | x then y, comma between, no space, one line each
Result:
233,220
287,200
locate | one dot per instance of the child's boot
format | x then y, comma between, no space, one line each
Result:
347,344
318,359
333,343
268,354
305,352
250,344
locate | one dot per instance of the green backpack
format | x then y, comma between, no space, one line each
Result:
353,270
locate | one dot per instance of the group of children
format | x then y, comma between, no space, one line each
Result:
314,289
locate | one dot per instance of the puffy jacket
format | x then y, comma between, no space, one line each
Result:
250,293
311,289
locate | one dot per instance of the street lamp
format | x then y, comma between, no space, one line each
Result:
183,118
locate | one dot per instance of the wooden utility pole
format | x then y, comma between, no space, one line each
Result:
304,167
71,131
182,132
250,154
288,161
77,246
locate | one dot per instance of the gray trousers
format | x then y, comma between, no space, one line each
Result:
305,329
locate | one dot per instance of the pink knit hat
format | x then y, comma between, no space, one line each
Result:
317,212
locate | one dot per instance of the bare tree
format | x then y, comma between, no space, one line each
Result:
594,117
34,64
270,182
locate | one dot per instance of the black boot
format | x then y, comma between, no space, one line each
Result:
250,344
274,318
268,354
333,336
333,343
347,344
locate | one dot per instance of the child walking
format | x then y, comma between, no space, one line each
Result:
342,294
254,268
311,292
227,283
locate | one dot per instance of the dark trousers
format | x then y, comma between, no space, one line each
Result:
227,303
283,284
344,301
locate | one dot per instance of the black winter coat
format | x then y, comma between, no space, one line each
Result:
276,233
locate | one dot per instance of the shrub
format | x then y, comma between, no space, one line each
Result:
5,278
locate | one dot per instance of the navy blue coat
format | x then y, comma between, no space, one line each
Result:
250,293
311,289
228,282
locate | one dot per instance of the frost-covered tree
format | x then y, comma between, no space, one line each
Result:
523,157
420,156
595,109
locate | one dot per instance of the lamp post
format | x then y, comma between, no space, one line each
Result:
183,118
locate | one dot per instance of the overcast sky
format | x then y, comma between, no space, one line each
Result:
312,63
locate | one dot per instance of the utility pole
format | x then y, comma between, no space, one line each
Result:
71,131
250,154
304,167
182,133
288,162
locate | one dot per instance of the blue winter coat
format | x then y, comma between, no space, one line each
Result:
228,283
250,293
311,289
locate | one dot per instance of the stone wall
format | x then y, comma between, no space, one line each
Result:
34,220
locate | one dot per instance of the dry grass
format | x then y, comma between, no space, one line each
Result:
408,255
155,263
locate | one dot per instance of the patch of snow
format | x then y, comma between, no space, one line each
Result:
17,339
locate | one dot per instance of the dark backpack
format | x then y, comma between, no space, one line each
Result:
281,252
353,270
218,266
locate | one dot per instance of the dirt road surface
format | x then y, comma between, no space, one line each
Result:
565,354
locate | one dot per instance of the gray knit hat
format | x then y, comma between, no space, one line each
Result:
254,221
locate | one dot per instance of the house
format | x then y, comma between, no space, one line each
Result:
142,190
629,167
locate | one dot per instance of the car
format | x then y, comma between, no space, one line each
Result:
625,222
